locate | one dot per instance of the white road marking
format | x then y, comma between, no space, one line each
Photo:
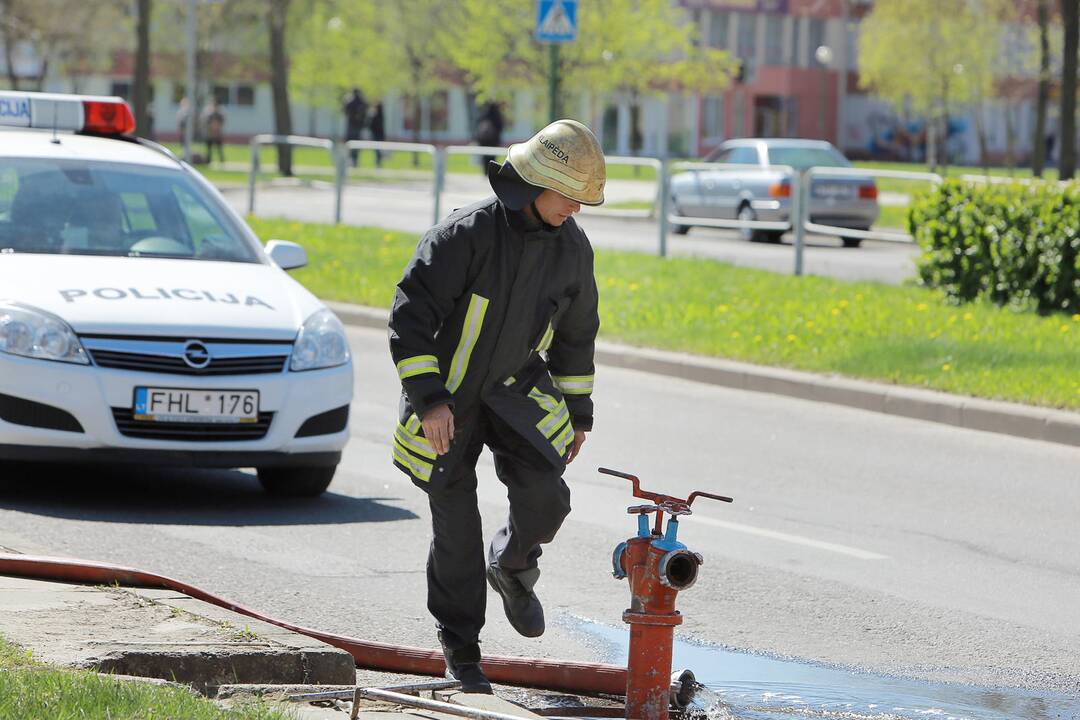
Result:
796,539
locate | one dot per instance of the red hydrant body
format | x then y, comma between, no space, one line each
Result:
652,617
657,566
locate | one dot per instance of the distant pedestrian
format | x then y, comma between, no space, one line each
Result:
355,109
214,124
377,125
489,129
182,115
1050,138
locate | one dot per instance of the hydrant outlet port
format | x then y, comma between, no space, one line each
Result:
617,561
679,569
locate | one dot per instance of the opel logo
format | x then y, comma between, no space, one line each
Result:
196,355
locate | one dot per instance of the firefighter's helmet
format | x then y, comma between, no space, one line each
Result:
565,157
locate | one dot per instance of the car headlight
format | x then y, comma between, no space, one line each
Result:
34,333
321,343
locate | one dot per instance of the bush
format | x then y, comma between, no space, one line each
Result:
1015,245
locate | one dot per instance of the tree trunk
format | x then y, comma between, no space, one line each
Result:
277,16
1038,147
980,131
1070,18
9,43
140,85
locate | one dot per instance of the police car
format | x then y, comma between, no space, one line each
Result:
141,320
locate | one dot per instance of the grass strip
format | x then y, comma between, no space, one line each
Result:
32,691
903,335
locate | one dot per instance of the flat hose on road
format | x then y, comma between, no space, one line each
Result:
527,672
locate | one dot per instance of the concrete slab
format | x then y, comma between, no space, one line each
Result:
160,634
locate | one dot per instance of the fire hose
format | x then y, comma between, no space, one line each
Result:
564,676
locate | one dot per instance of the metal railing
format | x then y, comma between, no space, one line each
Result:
849,173
667,218
292,141
437,161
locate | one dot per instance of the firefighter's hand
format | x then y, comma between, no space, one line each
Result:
438,425
579,440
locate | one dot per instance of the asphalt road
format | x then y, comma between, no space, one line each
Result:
858,539
408,206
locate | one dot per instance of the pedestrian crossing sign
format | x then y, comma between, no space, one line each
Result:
556,20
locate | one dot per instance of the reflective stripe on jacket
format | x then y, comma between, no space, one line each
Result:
496,310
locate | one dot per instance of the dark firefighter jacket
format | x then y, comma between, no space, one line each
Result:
485,299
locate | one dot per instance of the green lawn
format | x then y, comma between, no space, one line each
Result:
904,335
32,691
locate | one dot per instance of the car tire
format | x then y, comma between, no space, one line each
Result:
746,213
772,236
678,229
850,242
296,481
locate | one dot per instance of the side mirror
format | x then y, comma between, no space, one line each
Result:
286,255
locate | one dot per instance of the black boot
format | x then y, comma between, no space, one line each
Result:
463,665
522,607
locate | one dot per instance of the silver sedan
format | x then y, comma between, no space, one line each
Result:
754,188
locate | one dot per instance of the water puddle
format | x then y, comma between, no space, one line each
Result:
750,687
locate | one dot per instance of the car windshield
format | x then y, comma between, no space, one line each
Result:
73,207
802,158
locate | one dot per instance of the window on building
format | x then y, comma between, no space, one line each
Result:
852,58
796,41
121,89
440,111
719,25
774,39
221,94
746,39
244,96
410,113
712,117
817,39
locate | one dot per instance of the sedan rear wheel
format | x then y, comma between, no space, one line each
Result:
747,214
296,481
678,229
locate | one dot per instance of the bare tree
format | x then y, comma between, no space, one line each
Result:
1070,18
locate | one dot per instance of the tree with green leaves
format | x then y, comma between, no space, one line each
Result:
911,53
633,46
374,46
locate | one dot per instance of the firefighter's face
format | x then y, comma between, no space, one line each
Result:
555,208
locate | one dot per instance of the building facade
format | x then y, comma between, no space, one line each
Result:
799,78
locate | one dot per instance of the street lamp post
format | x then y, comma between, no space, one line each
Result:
824,56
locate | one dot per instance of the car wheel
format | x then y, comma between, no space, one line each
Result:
678,229
296,481
772,236
850,242
747,214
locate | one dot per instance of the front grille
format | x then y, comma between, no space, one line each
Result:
176,366
191,432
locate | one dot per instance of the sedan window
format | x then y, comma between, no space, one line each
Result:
802,158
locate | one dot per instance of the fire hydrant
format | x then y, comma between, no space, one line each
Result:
658,567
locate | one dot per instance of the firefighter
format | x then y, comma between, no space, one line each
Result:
492,329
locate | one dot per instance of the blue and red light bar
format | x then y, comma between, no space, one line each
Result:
72,113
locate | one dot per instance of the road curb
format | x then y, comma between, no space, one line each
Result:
151,633
1026,421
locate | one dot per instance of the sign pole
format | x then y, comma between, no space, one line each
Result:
553,82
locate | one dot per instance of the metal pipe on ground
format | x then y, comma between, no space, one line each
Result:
576,677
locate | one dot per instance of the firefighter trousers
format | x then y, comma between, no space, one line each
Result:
456,568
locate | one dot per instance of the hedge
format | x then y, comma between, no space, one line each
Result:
1015,245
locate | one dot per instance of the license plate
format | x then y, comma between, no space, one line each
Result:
833,191
209,406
